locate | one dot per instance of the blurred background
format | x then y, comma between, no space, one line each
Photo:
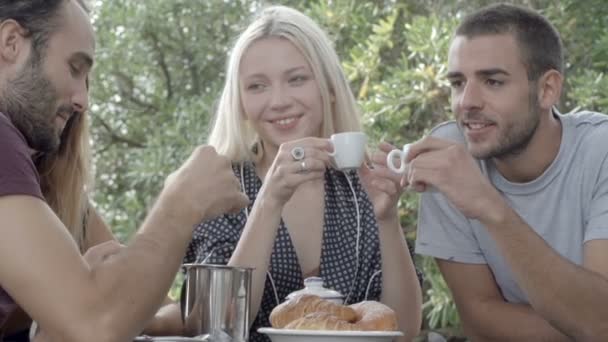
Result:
160,67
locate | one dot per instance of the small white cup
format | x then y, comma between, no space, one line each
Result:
349,149
401,155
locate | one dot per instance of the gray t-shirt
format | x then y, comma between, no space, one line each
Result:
567,205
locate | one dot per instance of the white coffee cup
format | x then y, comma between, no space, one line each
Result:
398,154
349,149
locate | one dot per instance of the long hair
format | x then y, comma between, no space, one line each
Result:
65,177
65,174
234,137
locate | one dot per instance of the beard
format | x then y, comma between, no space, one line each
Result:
517,135
30,101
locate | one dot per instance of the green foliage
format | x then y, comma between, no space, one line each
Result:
439,309
159,71
585,35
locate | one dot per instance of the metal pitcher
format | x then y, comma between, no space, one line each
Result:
215,302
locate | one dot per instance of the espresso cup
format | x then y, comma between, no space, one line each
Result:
398,154
349,149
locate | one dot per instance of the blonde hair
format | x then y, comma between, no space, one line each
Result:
65,177
234,137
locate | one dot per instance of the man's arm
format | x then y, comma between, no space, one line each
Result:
485,315
45,274
573,298
40,266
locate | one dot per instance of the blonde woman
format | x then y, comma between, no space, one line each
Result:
285,94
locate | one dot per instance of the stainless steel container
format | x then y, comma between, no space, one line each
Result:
215,302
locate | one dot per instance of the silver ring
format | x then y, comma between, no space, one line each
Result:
303,168
297,153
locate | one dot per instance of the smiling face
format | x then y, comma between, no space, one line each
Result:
279,93
495,104
49,89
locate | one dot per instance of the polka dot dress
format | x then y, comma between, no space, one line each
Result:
338,267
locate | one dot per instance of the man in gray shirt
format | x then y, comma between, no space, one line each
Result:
520,216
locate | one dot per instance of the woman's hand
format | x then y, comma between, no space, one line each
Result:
290,169
383,186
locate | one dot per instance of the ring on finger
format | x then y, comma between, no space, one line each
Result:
303,168
297,153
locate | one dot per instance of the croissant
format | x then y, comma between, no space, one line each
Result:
374,316
309,312
320,321
304,304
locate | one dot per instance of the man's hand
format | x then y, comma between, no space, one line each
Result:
203,187
450,168
97,254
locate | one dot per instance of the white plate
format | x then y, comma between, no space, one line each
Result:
286,335
165,339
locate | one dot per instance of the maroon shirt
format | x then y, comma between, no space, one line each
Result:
18,176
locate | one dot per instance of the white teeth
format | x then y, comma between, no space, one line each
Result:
476,125
285,121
